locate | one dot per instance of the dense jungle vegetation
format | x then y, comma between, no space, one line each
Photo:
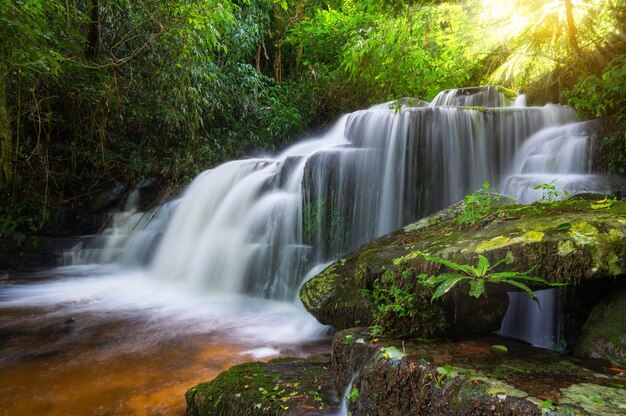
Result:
99,92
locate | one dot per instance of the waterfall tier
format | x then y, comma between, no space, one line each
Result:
256,226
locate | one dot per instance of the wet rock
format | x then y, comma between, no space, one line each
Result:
283,386
604,333
482,376
145,194
566,242
108,197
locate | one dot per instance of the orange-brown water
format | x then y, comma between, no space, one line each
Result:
100,365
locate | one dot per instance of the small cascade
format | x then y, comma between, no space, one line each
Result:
556,156
491,96
256,226
129,239
345,398
537,323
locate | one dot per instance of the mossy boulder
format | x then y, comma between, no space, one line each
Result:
566,242
604,333
283,386
482,376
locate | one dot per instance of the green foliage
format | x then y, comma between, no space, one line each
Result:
477,205
379,52
353,395
394,300
445,373
603,95
615,149
146,89
547,405
156,88
477,276
321,220
535,41
551,193
399,306
23,216
417,53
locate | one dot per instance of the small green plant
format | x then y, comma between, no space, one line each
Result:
445,373
398,307
353,396
547,405
477,276
551,193
376,330
477,205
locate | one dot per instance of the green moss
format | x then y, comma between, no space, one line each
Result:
583,233
314,289
266,389
595,399
236,391
604,333
565,248
502,241
594,246
509,93
468,376
496,242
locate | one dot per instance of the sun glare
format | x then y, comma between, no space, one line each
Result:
505,18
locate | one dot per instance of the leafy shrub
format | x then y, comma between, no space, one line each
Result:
477,205
604,95
614,147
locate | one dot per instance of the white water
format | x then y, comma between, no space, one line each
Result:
251,229
345,398
537,323
166,307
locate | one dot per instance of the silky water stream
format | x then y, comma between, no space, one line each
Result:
166,299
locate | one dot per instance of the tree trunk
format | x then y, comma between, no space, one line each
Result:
93,36
6,144
278,53
571,27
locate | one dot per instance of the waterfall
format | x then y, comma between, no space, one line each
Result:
256,226
537,323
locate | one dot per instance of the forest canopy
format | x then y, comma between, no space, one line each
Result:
95,92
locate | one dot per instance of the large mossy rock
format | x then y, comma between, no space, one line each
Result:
283,386
482,376
568,242
604,333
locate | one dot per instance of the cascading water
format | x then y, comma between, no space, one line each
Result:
257,226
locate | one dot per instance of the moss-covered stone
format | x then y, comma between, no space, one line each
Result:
568,241
470,377
604,333
284,386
